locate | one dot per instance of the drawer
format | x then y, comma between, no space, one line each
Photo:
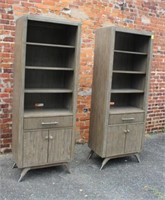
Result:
126,118
48,122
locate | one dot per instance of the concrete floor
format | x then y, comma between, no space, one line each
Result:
121,179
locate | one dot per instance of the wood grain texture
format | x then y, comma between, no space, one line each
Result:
60,141
75,84
18,97
35,148
119,93
103,59
47,122
115,140
126,118
47,62
134,138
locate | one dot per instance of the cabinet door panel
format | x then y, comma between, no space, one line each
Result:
134,138
35,148
115,140
60,141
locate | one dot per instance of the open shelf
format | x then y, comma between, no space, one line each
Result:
127,72
48,101
47,90
49,68
129,62
49,56
131,42
125,100
47,112
126,109
51,33
130,82
130,52
126,91
42,79
49,45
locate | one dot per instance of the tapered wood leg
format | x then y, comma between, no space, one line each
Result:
90,154
104,162
67,168
14,166
23,173
137,157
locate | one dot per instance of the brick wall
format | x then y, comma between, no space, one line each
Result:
137,14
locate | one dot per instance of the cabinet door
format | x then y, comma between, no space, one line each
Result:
134,138
115,140
35,148
60,143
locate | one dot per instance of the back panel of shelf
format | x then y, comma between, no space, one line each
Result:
50,56
49,79
51,33
128,81
48,101
130,62
127,100
131,42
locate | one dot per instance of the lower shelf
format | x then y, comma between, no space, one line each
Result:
47,112
125,109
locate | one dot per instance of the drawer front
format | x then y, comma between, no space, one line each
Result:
126,118
48,122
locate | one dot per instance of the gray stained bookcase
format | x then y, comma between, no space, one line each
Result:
119,95
45,85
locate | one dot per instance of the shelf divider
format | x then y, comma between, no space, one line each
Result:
131,52
126,91
47,90
50,68
47,112
128,72
50,45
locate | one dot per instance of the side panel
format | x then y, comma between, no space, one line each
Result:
75,84
35,148
59,149
18,91
103,60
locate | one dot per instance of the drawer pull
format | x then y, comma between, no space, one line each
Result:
49,123
128,131
128,119
125,131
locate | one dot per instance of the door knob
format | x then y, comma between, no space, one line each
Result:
46,138
51,137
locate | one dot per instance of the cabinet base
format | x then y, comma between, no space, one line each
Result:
105,160
25,170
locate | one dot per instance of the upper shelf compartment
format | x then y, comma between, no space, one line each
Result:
51,33
134,43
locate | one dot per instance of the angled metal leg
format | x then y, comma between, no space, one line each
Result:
67,168
90,154
23,173
137,157
104,162
14,166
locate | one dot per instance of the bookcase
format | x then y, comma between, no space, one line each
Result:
45,86
119,94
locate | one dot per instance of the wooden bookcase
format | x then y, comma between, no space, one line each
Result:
119,94
45,87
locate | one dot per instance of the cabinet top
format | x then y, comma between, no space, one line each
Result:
48,19
127,30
